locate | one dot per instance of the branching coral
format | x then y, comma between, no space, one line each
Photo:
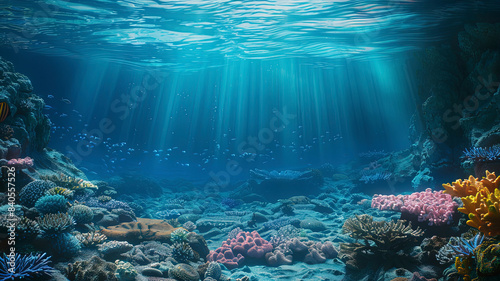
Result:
472,186
479,154
55,223
483,210
382,240
25,266
91,239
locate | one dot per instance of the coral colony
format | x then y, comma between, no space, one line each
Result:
230,141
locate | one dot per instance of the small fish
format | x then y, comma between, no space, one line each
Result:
66,101
50,96
47,107
4,111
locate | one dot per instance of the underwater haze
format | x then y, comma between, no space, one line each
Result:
217,70
306,131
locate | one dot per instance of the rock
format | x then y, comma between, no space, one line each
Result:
153,272
313,224
184,272
88,270
198,244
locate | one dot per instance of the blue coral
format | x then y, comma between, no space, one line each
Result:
34,191
65,245
26,266
463,247
51,204
481,154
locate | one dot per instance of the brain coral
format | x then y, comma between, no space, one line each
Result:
81,213
33,191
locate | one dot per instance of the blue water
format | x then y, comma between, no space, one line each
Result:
192,87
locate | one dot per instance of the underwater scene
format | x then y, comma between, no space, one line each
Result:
218,140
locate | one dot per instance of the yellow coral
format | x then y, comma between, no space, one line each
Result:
472,185
464,266
483,210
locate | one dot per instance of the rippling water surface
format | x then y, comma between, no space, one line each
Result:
194,33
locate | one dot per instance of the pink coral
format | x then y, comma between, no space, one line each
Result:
249,244
21,163
428,205
246,244
226,256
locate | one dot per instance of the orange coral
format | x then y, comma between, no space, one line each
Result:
472,185
483,210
